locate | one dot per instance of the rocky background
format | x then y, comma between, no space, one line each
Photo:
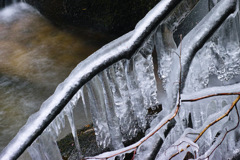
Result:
110,16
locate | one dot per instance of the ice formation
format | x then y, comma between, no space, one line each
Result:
214,65
116,97
119,98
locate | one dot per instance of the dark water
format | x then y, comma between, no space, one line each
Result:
35,57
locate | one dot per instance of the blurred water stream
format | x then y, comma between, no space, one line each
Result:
35,57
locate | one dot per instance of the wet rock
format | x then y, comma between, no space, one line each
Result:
87,140
118,16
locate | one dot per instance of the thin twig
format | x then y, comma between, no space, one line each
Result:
180,72
134,153
211,124
208,96
226,133
220,118
177,145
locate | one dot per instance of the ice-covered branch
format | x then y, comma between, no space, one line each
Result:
220,118
198,36
213,147
212,91
218,142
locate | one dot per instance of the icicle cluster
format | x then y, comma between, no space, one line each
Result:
118,98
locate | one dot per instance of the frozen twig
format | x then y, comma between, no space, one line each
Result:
214,122
220,118
134,153
208,96
212,149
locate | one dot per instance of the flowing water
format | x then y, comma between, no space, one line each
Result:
35,56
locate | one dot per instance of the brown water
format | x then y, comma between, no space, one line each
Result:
35,57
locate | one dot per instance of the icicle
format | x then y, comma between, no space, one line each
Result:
84,103
135,94
45,148
98,112
68,110
180,13
143,62
165,47
125,112
35,151
113,122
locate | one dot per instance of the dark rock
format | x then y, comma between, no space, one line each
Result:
4,3
116,16
87,140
